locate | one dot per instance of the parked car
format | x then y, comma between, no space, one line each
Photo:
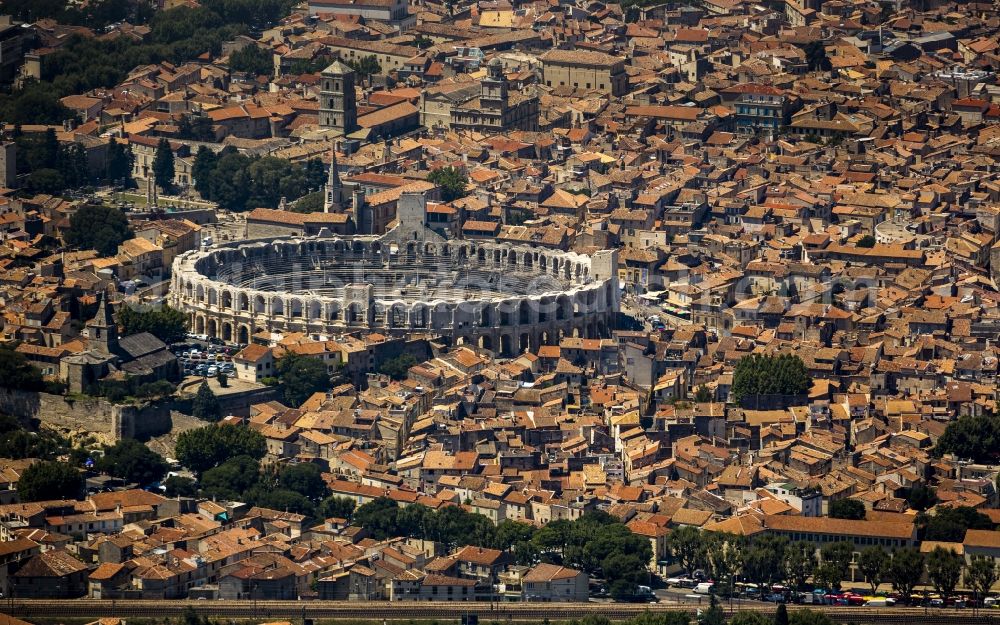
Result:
850,598
704,588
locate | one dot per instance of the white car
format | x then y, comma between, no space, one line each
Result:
703,588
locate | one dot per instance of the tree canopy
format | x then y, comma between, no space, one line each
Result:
301,376
17,373
873,564
240,183
758,374
50,166
398,367
297,488
165,323
920,497
366,66
93,14
18,442
132,461
252,60
50,480
204,448
971,437
905,570
980,575
950,524
944,569
99,228
452,182
847,509
83,63
205,404
163,165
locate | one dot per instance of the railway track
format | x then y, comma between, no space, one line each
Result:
44,609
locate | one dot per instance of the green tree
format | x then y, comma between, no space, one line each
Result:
764,559
397,368
980,576
252,60
301,376
750,618
48,480
950,524
203,448
944,569
205,405
724,558
18,443
132,461
17,373
378,517
336,507
422,42
808,617
453,182
309,203
34,103
873,562
800,562
921,497
703,394
165,323
847,509
180,486
510,533
713,615
687,547
118,167
365,67
757,375
837,562
163,165
304,478
781,615
48,181
232,479
867,241
905,570
975,438
203,170
282,499
99,228
816,57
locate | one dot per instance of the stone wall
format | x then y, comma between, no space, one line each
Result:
109,421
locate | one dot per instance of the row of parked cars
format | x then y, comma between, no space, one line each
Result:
206,361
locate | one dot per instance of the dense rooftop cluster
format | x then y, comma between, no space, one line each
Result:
792,209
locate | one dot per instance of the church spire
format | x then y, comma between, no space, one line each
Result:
102,330
332,189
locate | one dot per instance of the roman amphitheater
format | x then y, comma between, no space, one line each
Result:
503,298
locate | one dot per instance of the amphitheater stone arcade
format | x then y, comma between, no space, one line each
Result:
506,299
